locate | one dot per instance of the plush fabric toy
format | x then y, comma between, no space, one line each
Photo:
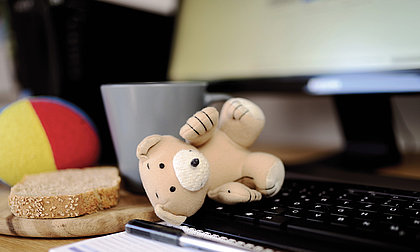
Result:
39,134
214,161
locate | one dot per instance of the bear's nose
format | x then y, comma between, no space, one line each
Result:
195,162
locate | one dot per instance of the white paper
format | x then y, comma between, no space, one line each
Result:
124,241
119,242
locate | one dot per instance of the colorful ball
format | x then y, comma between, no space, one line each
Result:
40,134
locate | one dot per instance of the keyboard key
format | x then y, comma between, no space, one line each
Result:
305,196
414,223
323,200
303,190
297,204
272,220
315,216
399,198
307,201
413,206
323,193
341,211
284,194
375,194
367,207
367,199
294,213
365,215
220,210
318,208
331,189
414,213
391,210
394,203
340,220
283,198
345,203
274,210
347,196
389,218
253,206
364,225
280,202
247,216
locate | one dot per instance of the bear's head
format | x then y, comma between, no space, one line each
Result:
174,175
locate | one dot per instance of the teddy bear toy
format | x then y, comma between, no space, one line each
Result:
214,161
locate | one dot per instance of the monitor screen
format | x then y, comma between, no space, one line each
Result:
240,39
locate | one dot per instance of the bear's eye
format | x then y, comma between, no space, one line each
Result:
157,195
148,167
161,165
195,162
191,169
172,189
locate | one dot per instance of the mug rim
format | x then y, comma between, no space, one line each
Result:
155,84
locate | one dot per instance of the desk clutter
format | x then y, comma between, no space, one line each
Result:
45,139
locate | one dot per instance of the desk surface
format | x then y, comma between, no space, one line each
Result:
410,168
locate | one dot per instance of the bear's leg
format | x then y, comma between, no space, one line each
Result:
242,121
266,172
234,192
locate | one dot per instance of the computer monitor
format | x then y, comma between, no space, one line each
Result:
370,49
221,40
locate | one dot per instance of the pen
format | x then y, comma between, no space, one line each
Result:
175,236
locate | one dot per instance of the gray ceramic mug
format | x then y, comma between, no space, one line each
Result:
137,110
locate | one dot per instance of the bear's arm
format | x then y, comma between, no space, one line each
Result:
200,127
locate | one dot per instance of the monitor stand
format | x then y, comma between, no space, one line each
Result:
366,119
367,127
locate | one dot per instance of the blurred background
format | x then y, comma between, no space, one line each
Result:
68,48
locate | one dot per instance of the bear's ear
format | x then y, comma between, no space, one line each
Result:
146,144
169,217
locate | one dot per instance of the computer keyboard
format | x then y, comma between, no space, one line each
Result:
320,216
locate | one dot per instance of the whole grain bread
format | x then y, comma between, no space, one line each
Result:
65,193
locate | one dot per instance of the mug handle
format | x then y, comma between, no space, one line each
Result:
210,98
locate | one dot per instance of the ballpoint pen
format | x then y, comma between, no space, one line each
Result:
175,236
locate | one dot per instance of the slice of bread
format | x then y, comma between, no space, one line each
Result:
65,193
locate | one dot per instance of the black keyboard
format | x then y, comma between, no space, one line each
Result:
320,216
